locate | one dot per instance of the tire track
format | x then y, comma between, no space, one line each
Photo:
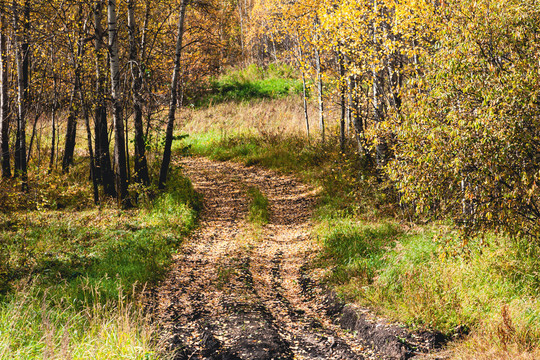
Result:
240,292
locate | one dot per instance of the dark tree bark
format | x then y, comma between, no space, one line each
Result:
174,98
118,122
104,172
141,165
71,131
4,100
53,116
86,116
378,104
23,71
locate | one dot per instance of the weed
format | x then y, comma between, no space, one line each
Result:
258,207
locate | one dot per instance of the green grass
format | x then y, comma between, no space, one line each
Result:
428,280
258,207
253,82
72,281
355,252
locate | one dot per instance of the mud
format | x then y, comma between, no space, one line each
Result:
240,291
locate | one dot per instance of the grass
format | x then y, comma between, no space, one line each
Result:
258,207
428,281
254,82
72,282
422,275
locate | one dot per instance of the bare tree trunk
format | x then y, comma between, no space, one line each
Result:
342,100
4,101
349,104
320,94
23,67
104,172
378,104
86,116
53,116
240,14
118,122
32,137
71,132
174,98
141,166
304,96
304,90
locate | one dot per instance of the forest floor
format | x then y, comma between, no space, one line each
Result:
239,290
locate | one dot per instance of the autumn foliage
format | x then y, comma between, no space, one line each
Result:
444,95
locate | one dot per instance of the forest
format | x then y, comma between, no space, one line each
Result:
143,143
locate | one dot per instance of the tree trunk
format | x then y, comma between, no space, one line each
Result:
71,132
104,172
304,90
118,122
141,165
23,68
378,104
4,101
86,116
174,94
53,116
241,17
320,94
342,100
304,96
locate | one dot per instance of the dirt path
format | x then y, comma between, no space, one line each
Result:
240,292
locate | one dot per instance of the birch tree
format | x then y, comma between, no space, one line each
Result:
173,98
104,172
136,66
118,121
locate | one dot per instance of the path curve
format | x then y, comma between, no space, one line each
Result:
237,291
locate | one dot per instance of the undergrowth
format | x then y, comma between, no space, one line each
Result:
72,281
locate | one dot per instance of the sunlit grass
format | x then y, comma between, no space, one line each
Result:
254,82
258,207
73,281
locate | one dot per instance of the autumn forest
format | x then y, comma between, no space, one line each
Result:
269,179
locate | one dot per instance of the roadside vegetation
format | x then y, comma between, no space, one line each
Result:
479,291
74,278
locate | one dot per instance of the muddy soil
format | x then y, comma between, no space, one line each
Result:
241,291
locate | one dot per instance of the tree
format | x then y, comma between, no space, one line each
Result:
4,100
104,171
118,122
23,72
136,66
173,98
468,138
71,131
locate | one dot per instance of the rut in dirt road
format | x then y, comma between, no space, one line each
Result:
241,292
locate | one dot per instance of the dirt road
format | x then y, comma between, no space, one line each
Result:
238,291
